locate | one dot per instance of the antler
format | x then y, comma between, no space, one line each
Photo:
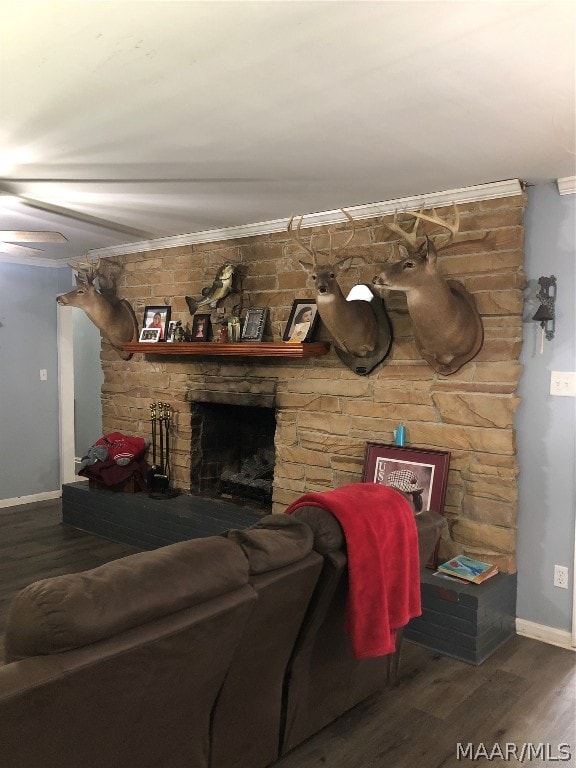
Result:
309,249
410,237
87,270
296,238
341,247
435,219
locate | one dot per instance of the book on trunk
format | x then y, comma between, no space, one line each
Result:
469,569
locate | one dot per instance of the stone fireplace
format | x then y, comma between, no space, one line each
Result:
324,413
232,452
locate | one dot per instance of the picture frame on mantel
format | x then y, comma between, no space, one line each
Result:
302,321
430,468
200,328
157,317
149,335
253,328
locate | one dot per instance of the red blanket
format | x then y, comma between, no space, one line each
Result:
383,562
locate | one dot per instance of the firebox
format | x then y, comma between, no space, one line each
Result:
233,453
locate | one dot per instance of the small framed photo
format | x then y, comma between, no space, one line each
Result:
171,330
253,328
422,473
302,321
200,328
157,317
149,335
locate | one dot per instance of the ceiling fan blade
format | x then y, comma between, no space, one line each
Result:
26,236
137,178
78,216
18,250
84,217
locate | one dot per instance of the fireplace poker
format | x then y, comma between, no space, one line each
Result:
161,411
159,475
153,420
167,426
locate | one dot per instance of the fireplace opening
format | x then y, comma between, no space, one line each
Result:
233,453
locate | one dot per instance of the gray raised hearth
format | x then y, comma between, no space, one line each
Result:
138,520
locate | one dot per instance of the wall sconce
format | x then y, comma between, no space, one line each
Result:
545,313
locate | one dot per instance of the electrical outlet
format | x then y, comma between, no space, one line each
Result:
561,576
563,383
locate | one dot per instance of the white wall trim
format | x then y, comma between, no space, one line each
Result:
65,343
567,185
550,635
491,191
45,496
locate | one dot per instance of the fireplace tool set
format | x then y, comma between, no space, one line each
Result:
159,474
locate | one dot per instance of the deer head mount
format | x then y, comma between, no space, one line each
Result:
115,319
447,326
359,331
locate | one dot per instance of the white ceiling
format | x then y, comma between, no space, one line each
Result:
162,118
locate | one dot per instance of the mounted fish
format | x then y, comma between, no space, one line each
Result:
212,294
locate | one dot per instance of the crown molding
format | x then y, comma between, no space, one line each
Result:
491,191
567,185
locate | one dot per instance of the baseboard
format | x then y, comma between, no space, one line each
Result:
46,496
550,635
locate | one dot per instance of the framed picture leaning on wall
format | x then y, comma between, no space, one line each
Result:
302,321
157,317
253,328
420,472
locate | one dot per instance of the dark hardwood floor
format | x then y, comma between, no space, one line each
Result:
522,698
523,694
34,544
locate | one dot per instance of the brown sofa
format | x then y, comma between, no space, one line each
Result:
121,665
219,652
324,679
284,571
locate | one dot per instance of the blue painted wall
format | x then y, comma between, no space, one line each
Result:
546,425
29,425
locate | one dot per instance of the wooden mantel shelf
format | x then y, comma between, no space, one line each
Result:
239,349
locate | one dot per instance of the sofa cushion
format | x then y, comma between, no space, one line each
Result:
429,526
73,610
273,542
327,531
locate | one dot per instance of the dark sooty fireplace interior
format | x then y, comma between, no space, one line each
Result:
233,453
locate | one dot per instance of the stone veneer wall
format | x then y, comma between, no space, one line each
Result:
326,413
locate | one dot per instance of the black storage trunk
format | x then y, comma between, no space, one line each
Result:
465,621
